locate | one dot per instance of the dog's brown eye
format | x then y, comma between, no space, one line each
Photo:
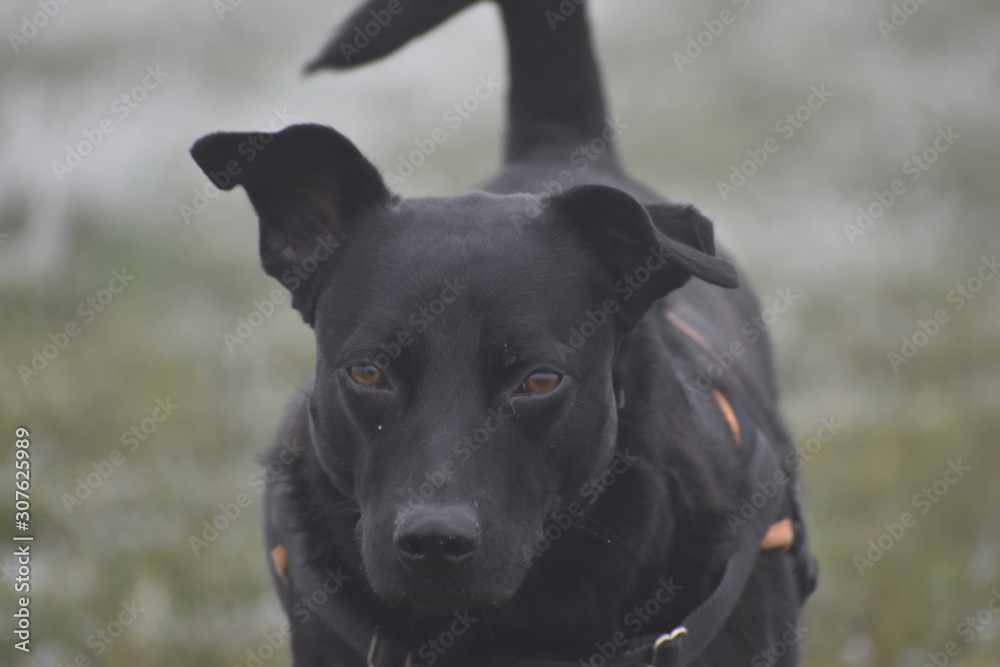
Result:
540,383
367,375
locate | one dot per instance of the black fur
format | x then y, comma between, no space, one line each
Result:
457,300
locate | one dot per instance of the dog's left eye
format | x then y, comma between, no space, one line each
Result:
368,375
540,383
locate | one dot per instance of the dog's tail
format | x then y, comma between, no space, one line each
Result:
556,98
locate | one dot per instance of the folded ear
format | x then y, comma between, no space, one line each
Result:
308,184
648,251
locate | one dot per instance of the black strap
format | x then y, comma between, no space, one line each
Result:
683,645
702,625
382,653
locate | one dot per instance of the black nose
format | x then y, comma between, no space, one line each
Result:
437,541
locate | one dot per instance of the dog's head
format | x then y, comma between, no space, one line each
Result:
464,385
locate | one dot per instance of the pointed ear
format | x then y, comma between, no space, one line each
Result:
648,252
308,184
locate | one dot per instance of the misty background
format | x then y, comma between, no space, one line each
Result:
129,248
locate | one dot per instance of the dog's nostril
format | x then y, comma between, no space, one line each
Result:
456,547
438,543
411,547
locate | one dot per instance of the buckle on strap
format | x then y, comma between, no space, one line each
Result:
668,649
372,659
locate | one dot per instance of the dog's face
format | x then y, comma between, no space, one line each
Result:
448,398
464,385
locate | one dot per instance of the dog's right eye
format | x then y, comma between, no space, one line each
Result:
540,383
368,375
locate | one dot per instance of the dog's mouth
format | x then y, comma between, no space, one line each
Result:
485,581
443,597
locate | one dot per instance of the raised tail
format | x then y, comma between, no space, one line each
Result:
556,98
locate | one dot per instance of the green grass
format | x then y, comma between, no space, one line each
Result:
162,338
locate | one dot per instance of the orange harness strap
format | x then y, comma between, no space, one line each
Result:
727,412
780,535
279,558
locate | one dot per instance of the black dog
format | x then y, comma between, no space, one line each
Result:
519,445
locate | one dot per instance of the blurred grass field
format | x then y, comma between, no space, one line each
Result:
161,337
